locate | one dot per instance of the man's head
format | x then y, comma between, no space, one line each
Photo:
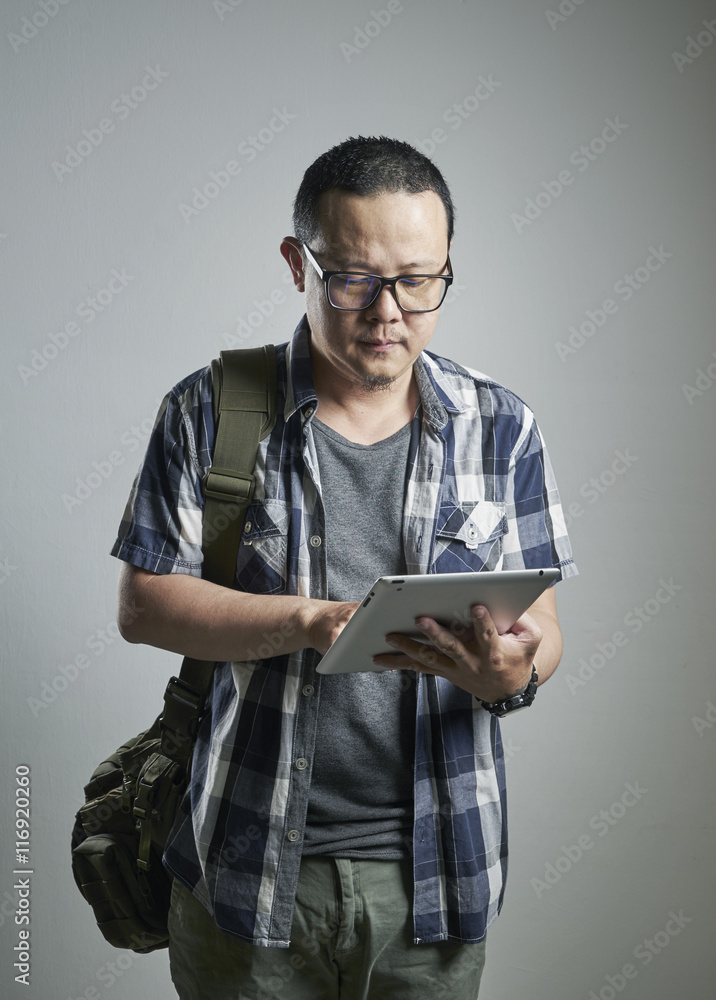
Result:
369,206
366,166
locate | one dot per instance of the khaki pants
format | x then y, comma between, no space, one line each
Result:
351,940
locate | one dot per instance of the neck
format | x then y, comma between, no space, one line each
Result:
365,415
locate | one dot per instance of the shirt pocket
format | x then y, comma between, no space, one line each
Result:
468,537
262,564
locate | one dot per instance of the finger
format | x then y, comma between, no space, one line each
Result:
442,639
485,632
401,658
413,655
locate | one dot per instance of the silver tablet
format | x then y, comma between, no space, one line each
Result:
394,602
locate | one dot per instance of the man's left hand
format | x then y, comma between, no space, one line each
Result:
478,659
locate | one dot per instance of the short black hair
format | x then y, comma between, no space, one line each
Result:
367,165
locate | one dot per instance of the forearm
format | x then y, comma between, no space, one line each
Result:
549,651
197,618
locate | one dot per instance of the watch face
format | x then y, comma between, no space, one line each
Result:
503,708
516,705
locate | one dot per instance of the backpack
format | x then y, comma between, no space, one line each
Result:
133,796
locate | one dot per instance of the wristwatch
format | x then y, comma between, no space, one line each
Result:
517,701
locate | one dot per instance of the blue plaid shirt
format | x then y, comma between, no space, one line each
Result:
480,496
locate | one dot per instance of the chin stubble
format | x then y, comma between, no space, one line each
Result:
373,383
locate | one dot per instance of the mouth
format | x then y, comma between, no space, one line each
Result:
380,345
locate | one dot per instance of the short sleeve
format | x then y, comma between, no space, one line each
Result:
161,526
537,535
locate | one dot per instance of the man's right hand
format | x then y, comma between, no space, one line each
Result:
328,621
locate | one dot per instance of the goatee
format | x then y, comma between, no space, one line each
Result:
372,383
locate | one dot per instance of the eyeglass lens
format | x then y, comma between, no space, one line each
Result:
347,291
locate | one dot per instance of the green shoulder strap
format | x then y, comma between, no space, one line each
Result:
244,384
246,413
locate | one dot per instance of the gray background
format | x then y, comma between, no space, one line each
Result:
642,713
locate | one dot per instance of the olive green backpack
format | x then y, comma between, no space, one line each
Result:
133,796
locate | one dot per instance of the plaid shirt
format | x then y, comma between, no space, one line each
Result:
480,496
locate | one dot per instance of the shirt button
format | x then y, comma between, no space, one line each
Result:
308,411
293,836
301,763
472,532
247,527
315,541
308,690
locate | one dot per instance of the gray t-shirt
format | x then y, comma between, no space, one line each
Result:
361,798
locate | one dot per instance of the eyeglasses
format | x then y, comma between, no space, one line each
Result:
356,290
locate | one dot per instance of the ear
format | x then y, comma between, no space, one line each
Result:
291,252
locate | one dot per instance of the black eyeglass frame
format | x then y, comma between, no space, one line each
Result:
325,277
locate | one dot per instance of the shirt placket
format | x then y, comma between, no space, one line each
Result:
307,699
422,502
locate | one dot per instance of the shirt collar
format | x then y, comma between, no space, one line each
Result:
299,388
439,394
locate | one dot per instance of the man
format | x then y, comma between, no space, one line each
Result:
355,824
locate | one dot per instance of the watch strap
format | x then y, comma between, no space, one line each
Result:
521,700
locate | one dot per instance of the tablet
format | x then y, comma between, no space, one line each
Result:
394,602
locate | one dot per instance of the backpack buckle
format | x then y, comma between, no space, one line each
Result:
229,486
179,720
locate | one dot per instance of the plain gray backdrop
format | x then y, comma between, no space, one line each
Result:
150,155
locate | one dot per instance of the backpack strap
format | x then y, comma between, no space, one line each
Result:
244,388
246,414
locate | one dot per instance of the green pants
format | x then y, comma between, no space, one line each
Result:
351,939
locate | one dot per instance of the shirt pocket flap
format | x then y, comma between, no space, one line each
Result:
473,523
266,519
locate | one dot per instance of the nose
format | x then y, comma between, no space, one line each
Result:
385,308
